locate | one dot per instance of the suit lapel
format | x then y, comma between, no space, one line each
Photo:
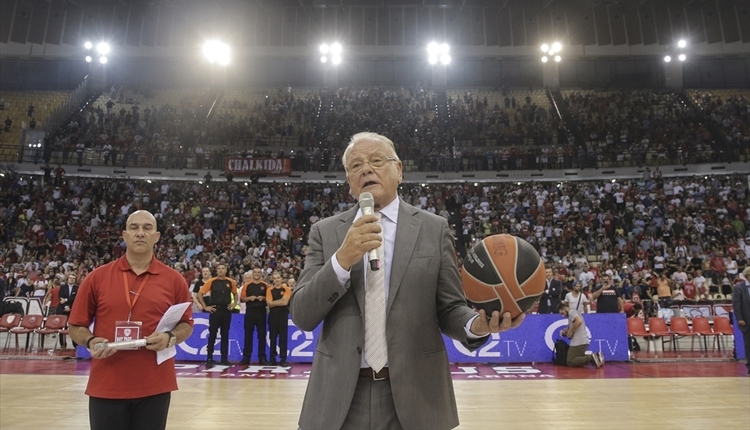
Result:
357,280
407,232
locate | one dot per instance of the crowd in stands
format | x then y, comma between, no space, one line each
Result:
277,114
730,111
498,117
623,124
124,131
692,229
494,130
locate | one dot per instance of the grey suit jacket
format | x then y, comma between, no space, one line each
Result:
425,298
741,305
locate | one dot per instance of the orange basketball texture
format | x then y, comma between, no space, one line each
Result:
504,273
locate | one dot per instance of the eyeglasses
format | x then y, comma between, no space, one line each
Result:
376,162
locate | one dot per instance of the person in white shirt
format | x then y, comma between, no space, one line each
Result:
576,300
586,278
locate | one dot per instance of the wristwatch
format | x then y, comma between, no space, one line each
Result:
172,339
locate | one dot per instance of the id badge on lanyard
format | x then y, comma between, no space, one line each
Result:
129,330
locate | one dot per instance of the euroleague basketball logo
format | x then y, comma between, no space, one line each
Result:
499,249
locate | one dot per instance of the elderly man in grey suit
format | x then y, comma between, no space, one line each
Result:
741,309
380,361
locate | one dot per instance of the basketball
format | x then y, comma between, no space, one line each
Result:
504,273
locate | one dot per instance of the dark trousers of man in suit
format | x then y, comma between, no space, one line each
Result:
278,325
255,319
746,339
220,318
372,399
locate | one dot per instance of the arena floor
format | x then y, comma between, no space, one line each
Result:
47,392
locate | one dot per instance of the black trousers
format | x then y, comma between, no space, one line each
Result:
146,413
255,319
220,318
746,339
278,325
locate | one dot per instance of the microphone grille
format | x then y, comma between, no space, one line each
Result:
366,200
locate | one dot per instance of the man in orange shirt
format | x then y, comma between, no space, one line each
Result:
220,290
127,389
278,318
664,290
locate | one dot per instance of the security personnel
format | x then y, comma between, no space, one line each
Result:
221,290
254,297
278,318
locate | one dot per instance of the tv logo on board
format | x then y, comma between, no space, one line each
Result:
494,348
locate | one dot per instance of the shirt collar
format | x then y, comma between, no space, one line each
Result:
154,268
390,211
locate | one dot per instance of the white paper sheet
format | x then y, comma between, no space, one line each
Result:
168,322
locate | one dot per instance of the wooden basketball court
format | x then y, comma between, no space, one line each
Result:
38,394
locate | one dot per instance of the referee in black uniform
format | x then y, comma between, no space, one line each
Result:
221,290
278,318
254,298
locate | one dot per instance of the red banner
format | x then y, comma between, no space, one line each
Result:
258,166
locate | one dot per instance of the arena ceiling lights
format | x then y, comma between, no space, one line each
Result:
679,52
551,52
438,52
101,51
331,52
217,52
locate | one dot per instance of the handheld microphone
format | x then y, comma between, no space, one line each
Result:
367,204
126,344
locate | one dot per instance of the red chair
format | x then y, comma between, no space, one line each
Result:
7,322
53,325
658,328
637,328
722,328
29,324
679,327
62,333
702,328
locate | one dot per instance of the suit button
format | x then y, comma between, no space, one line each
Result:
335,296
359,350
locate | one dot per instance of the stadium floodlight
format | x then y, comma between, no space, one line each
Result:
438,52
550,52
331,52
433,49
102,48
216,52
88,58
667,59
103,59
682,57
682,43
88,45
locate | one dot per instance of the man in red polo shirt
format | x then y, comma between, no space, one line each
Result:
128,389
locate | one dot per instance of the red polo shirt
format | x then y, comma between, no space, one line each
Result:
102,299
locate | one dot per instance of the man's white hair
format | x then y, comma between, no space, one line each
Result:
366,135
